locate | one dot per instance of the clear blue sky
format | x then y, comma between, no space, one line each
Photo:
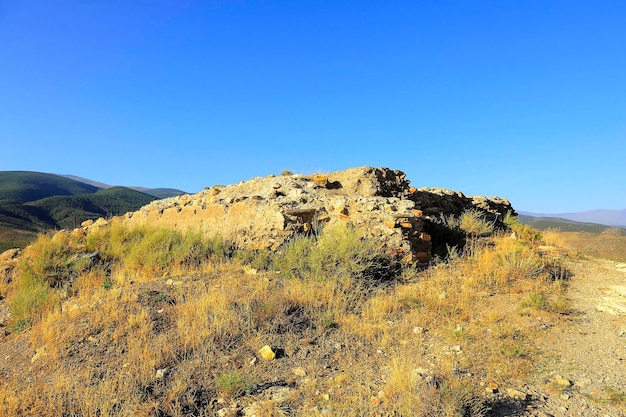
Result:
521,99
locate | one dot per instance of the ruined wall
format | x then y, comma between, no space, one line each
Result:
264,212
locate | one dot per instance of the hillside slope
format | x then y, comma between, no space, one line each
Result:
70,211
33,202
147,321
24,186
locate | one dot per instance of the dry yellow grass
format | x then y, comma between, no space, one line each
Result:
610,245
179,336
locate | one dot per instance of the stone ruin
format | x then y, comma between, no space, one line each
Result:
265,212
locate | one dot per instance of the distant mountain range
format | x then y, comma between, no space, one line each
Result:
156,192
33,202
564,225
605,217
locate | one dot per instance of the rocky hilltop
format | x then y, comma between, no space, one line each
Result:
265,212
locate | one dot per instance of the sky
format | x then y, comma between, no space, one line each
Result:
522,99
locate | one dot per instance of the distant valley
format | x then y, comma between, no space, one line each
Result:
33,202
566,225
593,239
605,217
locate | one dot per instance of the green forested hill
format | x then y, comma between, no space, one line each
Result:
25,186
70,211
33,202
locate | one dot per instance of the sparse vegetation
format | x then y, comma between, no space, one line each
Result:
233,384
341,251
100,316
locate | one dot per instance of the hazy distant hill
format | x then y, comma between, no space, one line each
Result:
32,202
24,186
565,225
606,217
156,192
164,192
88,181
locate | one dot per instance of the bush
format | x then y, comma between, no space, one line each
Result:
458,234
340,250
234,384
522,231
53,260
30,299
154,249
474,223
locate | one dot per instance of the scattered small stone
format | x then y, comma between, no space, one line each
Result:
228,412
161,373
491,387
583,382
301,372
278,394
421,374
421,371
252,361
516,394
338,346
320,180
562,381
267,353
456,349
418,330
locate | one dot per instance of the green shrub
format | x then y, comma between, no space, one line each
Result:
52,260
474,223
520,262
339,250
537,301
32,296
259,259
234,384
155,249
49,267
454,234
522,231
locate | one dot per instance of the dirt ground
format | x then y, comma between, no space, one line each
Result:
582,370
